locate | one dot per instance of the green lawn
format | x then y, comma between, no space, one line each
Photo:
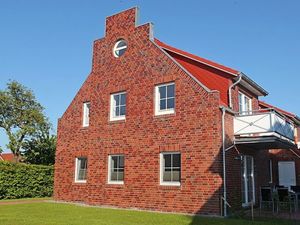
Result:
47,213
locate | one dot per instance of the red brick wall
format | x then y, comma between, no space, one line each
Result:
194,130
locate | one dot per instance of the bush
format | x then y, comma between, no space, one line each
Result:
19,180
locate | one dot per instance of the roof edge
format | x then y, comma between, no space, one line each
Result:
260,91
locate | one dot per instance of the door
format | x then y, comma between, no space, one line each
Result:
287,174
248,187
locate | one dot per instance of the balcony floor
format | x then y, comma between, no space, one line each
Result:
264,142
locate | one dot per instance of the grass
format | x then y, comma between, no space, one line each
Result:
48,213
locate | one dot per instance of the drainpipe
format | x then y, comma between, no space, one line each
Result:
224,109
231,86
224,163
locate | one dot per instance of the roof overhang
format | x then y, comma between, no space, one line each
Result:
251,85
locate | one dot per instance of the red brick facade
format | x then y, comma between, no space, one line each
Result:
194,130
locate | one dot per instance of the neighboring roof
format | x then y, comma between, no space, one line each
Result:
209,81
292,116
7,157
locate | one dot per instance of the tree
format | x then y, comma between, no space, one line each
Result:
21,116
41,148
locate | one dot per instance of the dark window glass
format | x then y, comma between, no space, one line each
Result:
171,167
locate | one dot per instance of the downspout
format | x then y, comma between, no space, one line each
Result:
224,163
223,142
230,88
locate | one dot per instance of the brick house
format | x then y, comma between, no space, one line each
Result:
157,128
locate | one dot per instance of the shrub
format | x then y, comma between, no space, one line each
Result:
19,180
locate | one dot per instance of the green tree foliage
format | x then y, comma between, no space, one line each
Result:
21,116
18,180
40,149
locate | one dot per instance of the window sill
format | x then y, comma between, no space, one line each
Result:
170,184
169,187
164,115
80,182
84,128
117,119
119,183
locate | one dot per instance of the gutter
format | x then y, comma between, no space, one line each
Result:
231,86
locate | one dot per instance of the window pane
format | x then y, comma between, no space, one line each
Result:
82,163
88,106
162,92
170,103
82,174
121,176
176,176
123,99
170,91
167,160
176,160
120,52
121,44
122,110
113,176
116,99
163,104
114,161
121,160
117,112
167,176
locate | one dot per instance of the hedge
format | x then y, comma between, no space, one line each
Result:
18,180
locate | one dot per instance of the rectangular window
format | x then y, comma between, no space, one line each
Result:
245,104
86,114
248,186
165,99
170,167
116,169
81,170
118,106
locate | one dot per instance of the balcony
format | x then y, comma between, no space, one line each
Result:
264,129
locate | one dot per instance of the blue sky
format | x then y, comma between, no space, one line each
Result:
47,45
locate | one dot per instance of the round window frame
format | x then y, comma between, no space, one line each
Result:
117,49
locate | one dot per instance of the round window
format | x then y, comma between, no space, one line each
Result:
120,48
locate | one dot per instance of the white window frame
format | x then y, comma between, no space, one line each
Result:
86,114
113,117
157,100
167,183
243,110
116,48
76,170
109,181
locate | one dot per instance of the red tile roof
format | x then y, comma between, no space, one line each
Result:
266,105
197,58
7,157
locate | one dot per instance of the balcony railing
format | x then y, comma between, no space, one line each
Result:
266,122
